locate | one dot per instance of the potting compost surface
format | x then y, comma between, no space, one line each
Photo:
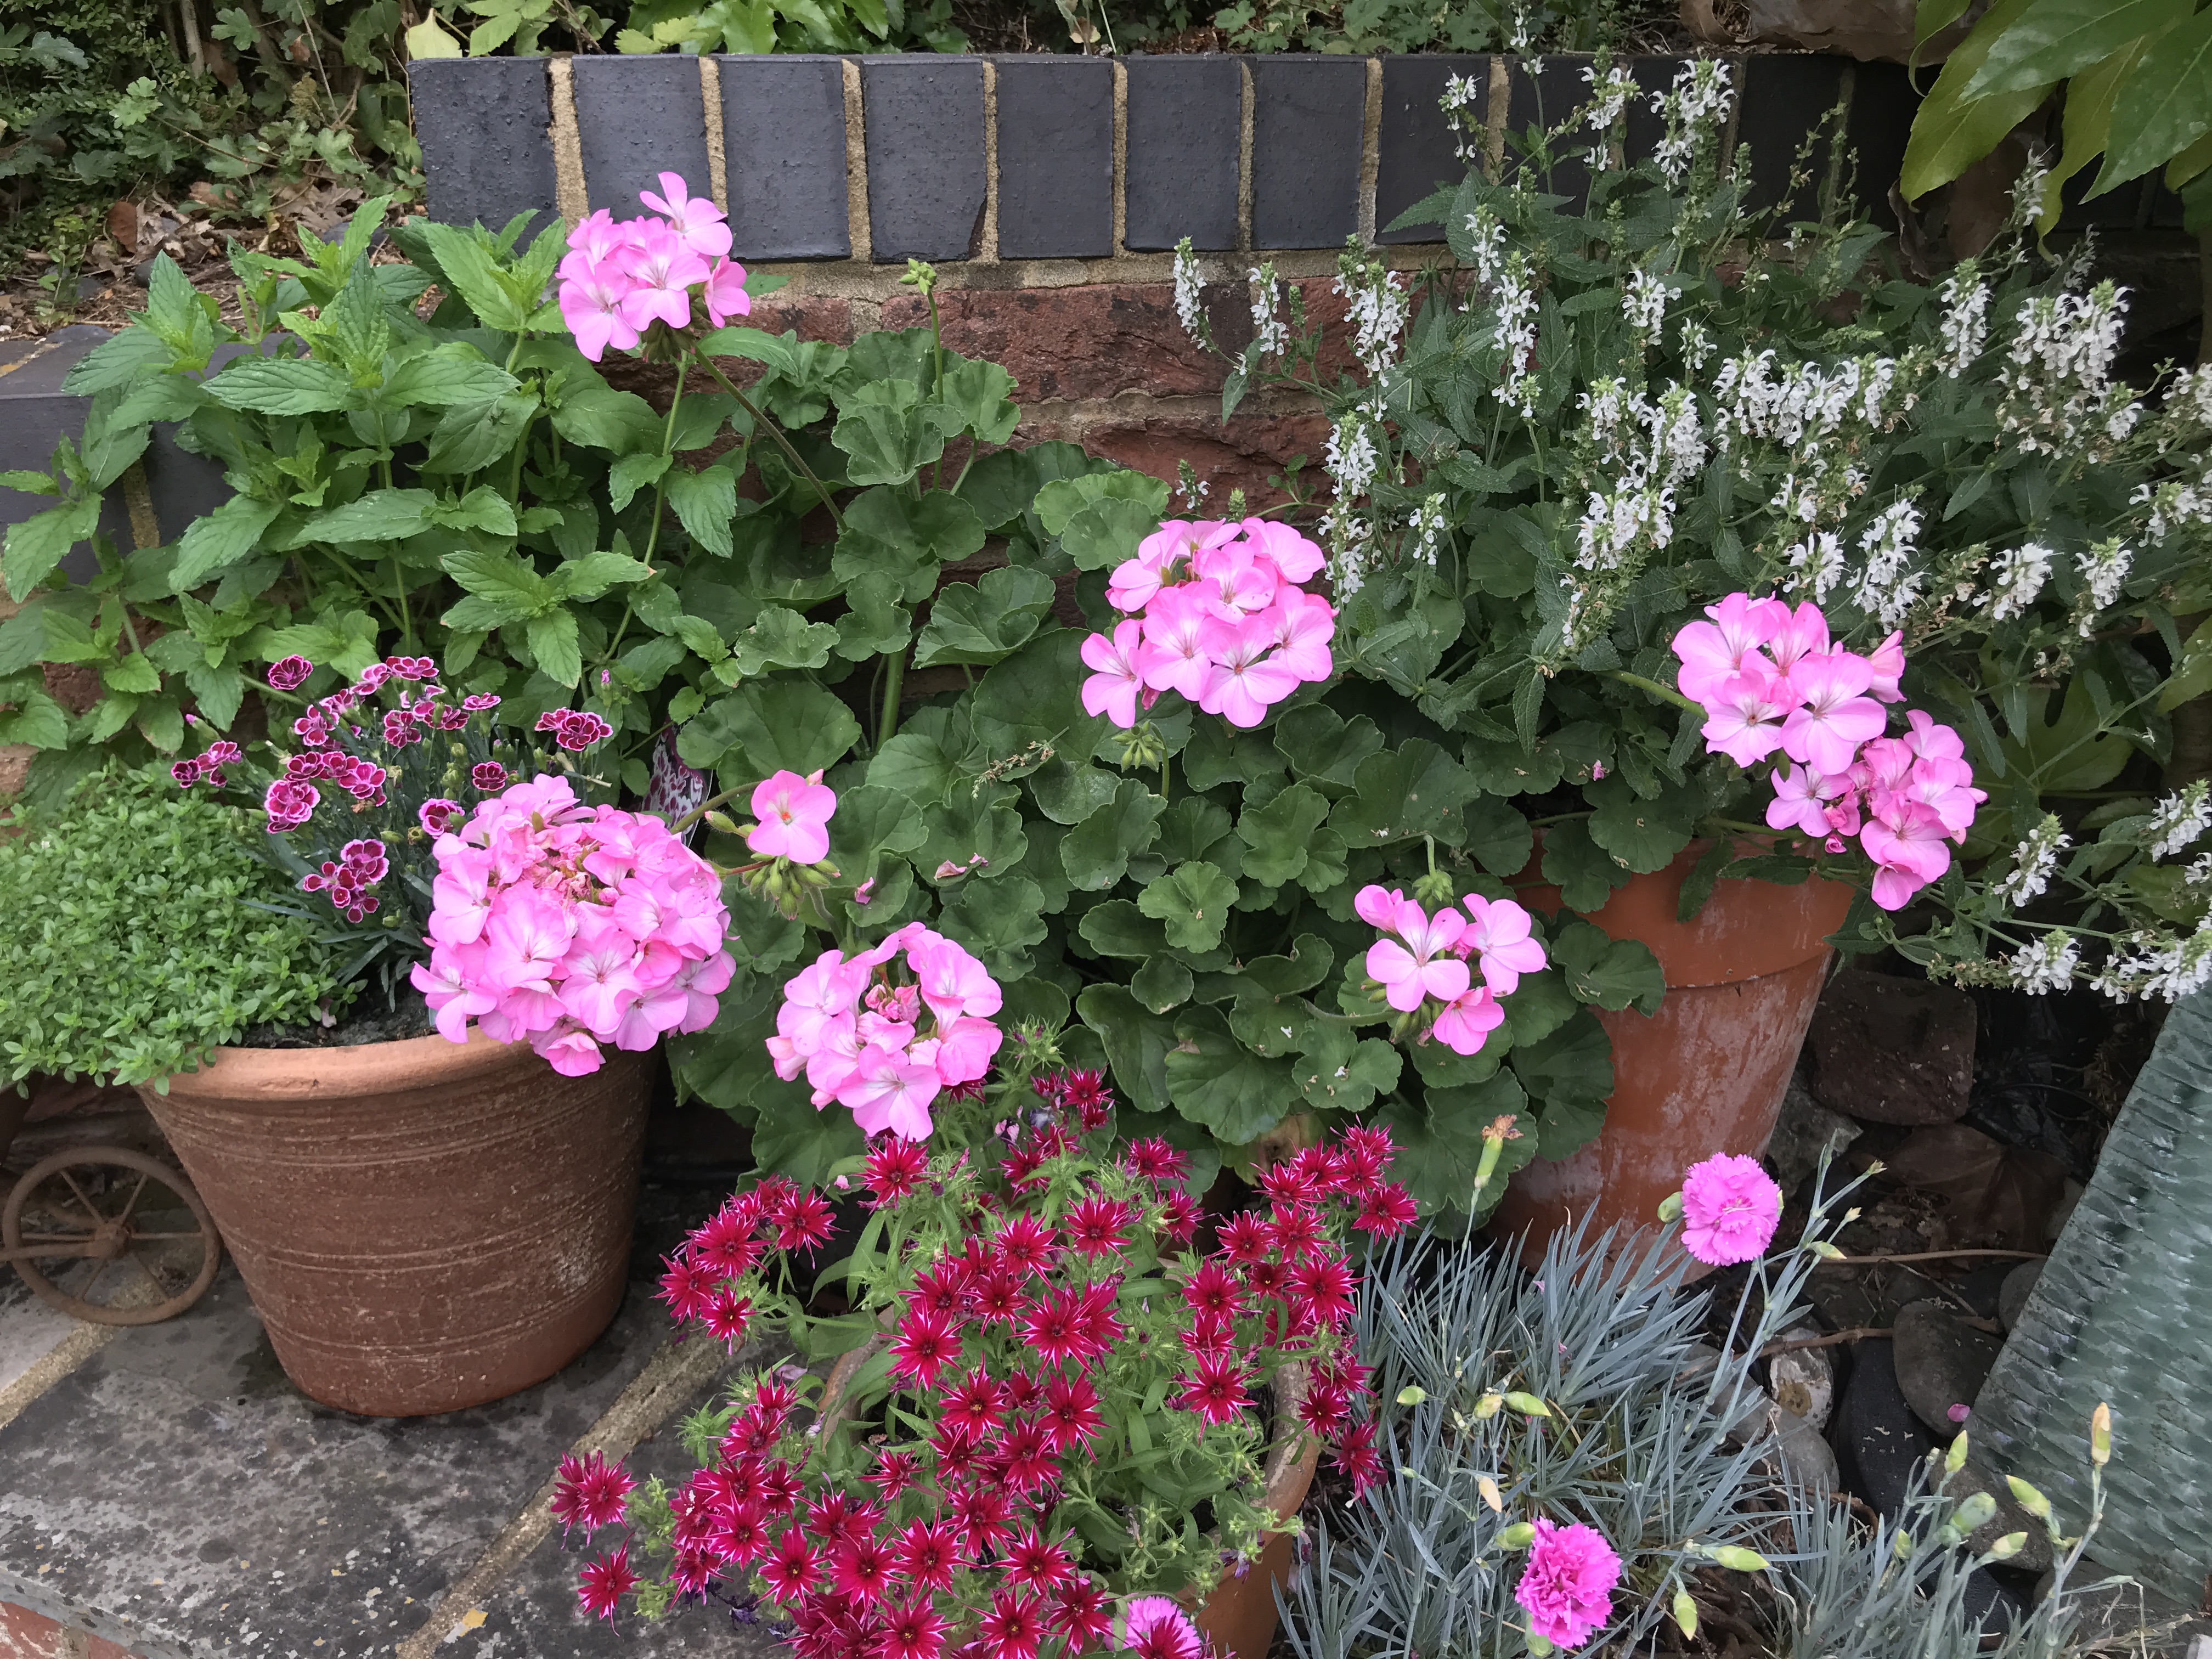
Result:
166,1490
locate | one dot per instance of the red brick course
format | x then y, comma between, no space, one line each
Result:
1245,454
28,1635
1101,339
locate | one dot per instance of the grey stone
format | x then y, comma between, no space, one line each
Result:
1803,1380
484,126
1806,1458
1941,1361
1181,175
176,1495
2035,1550
1309,127
1804,1130
637,119
2012,1298
1785,95
783,145
1416,150
1887,1049
926,174
1753,1409
1055,150
1877,1440
1869,1297
35,415
177,1490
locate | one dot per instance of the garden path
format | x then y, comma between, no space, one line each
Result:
165,1493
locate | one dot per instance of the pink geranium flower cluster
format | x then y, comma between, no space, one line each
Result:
621,277
1224,623
1421,962
571,926
853,1027
1769,679
1018,1334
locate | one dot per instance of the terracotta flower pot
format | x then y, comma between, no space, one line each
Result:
1239,1614
1707,1072
424,1225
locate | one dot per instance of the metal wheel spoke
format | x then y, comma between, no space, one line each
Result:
83,1293
136,1234
61,1239
132,1203
91,1209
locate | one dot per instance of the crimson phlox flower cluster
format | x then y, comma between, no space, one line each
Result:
1012,1347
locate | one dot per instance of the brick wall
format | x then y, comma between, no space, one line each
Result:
1049,192
28,1635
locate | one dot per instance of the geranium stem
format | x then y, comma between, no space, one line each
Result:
894,679
762,422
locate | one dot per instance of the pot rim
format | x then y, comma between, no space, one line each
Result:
347,1070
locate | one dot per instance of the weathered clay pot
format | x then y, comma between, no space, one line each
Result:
1239,1615
1707,1072
422,1225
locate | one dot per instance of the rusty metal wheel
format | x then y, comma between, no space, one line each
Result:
110,1235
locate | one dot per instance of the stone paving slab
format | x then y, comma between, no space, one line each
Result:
534,1613
173,1493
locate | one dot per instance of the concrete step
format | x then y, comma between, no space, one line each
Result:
165,1493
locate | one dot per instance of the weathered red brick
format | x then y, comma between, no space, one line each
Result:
815,316
1085,342
27,1635
1245,454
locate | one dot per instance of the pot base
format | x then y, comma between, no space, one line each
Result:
423,1225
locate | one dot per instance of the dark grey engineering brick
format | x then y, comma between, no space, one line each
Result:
1186,116
483,124
783,145
1417,151
1309,123
925,129
1055,149
639,117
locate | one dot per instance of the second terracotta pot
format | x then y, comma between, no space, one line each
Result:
1238,1615
423,1225
1707,1072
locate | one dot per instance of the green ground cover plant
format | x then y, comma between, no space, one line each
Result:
137,929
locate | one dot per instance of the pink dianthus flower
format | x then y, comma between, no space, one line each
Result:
1566,1589
1730,1207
